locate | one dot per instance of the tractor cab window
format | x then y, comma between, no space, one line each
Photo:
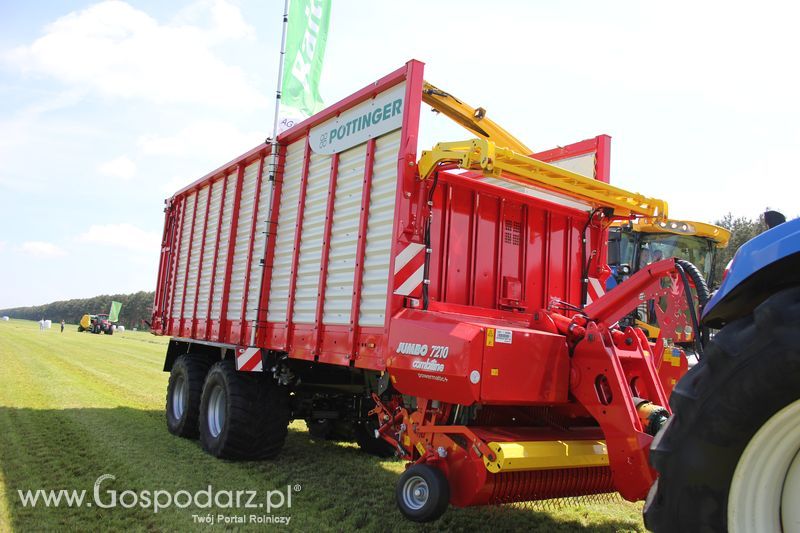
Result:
697,250
621,246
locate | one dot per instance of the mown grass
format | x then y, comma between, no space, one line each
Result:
75,406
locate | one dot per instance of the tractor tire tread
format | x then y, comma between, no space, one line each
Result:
195,368
258,416
750,371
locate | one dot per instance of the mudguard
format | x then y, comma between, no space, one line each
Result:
762,266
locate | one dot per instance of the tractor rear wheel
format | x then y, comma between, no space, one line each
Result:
422,493
729,454
184,390
243,415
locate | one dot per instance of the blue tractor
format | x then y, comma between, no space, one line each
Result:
729,457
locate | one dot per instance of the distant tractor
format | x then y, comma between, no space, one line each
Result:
102,323
96,324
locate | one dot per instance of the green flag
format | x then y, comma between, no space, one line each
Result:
305,47
113,315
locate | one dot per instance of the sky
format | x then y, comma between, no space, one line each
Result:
107,108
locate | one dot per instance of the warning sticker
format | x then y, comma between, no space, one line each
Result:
421,448
503,336
490,337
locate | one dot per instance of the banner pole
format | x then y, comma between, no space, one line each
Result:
280,83
273,166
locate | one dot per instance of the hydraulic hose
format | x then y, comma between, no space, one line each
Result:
585,260
427,265
703,294
685,267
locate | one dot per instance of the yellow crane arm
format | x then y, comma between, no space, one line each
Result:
498,162
475,120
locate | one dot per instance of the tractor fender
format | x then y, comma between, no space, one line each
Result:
763,266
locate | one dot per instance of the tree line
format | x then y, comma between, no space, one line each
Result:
136,309
742,230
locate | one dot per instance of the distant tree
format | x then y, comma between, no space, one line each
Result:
136,309
742,230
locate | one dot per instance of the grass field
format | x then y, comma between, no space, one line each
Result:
75,406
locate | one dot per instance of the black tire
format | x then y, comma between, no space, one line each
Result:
80,329
255,414
185,380
110,331
422,493
750,371
369,443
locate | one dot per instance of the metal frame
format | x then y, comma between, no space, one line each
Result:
499,162
200,259
188,264
298,231
226,286
262,337
253,229
176,262
209,324
600,145
326,249
355,304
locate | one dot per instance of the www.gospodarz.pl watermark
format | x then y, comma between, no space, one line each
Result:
103,497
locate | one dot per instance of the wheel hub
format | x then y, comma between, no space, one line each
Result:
216,411
415,492
179,398
765,487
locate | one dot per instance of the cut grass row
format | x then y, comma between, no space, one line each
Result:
75,406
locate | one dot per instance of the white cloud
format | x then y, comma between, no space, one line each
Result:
121,167
42,249
117,50
225,19
2,246
220,141
122,235
174,184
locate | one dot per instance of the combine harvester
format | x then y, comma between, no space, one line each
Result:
434,306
